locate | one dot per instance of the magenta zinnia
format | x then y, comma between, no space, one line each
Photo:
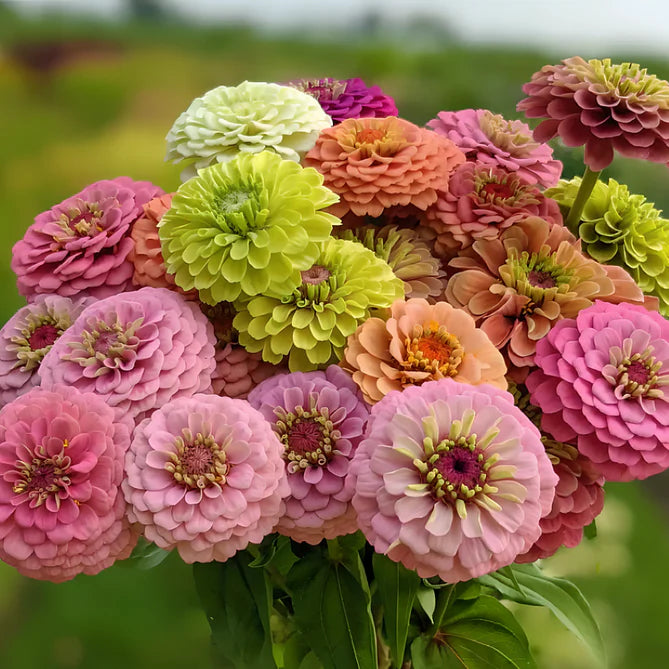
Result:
205,475
601,386
62,512
451,480
320,419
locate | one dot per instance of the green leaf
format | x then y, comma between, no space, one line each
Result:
237,599
145,555
590,531
427,599
264,552
562,597
397,587
475,634
332,611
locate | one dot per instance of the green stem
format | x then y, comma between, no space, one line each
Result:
585,189
443,601
335,551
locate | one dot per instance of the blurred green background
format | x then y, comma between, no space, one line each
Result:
82,101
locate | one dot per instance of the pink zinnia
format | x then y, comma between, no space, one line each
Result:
238,372
347,98
320,419
81,245
451,480
62,512
28,336
137,350
491,139
205,475
600,386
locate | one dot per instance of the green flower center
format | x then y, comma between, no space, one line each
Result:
508,135
315,275
630,80
309,436
536,275
198,461
240,209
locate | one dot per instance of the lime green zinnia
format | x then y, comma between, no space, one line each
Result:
621,228
246,227
311,323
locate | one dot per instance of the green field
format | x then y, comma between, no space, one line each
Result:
105,113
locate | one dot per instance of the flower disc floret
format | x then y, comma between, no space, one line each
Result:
62,512
451,480
319,418
246,227
601,384
310,324
248,118
205,476
136,350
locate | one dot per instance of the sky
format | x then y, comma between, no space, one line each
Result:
584,27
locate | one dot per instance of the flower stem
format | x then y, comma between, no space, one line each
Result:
443,601
585,189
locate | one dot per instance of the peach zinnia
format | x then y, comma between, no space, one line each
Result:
421,342
376,163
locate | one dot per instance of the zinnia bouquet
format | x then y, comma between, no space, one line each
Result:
361,374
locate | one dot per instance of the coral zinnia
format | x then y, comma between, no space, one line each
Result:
247,118
320,420
81,246
605,106
451,480
375,163
246,227
311,323
28,336
205,475
519,285
480,202
137,350
421,342
600,385
492,140
347,98
623,229
62,512
407,255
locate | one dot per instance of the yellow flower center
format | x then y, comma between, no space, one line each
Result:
433,349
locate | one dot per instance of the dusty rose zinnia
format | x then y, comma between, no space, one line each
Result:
62,512
237,371
81,245
451,480
421,342
480,201
320,419
375,163
606,107
137,350
600,385
28,336
347,98
205,475
519,285
494,141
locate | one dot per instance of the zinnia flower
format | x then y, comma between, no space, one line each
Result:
375,163
347,98
246,227
62,512
28,336
492,140
519,285
205,475
603,106
320,420
81,246
451,480
480,202
247,118
238,372
600,386
421,342
137,350
407,254
623,229
311,323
